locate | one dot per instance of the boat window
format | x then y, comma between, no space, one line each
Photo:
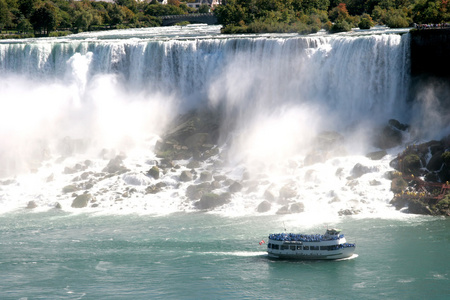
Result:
269,245
292,248
299,247
325,247
275,246
284,247
305,247
314,248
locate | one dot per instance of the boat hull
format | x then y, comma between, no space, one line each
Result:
331,255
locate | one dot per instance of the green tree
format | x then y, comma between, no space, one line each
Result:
230,14
366,22
44,18
396,18
24,26
203,9
431,11
5,14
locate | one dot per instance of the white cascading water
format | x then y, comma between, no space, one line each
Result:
64,100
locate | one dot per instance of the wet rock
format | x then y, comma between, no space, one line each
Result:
348,212
211,201
377,155
220,177
436,161
235,187
154,172
359,170
70,189
387,137
81,201
58,205
412,164
287,192
155,188
216,185
195,192
115,165
264,206
31,205
193,164
297,207
186,176
269,195
205,176
418,207
283,210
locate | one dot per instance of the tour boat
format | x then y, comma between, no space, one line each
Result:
331,245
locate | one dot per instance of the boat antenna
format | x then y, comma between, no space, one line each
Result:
284,226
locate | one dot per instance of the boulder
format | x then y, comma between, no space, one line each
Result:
115,165
387,137
70,189
359,170
269,195
195,192
287,192
31,205
377,155
81,201
436,161
155,188
205,176
186,176
297,207
235,187
211,201
412,164
154,172
193,164
264,206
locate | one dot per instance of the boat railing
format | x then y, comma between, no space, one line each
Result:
304,237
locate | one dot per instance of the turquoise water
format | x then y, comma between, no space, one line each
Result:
56,255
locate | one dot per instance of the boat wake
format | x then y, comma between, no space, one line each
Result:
348,258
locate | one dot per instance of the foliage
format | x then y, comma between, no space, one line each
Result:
432,11
366,22
340,26
396,18
236,16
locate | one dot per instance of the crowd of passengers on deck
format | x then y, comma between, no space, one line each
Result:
303,237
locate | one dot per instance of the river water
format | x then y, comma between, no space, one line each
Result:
69,105
55,255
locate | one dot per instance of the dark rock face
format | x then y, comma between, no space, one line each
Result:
429,52
193,135
390,135
427,194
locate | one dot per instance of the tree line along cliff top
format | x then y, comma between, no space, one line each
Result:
24,18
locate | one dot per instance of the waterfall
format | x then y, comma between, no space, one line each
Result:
120,91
